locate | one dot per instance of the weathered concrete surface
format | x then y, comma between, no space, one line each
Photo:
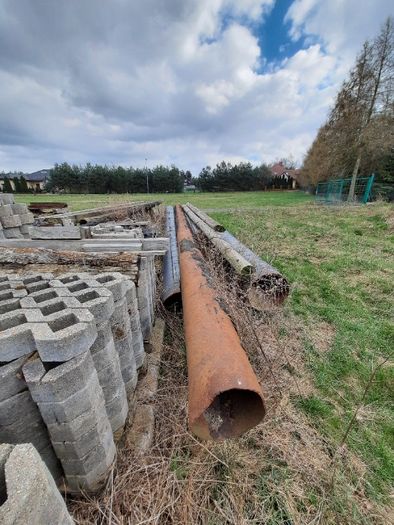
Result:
142,430
31,494
55,232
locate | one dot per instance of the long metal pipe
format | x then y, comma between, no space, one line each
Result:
225,398
171,293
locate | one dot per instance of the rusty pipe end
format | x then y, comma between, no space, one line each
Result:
231,413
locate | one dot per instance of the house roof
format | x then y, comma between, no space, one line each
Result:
279,170
36,176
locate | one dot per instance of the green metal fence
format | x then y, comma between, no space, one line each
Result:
337,191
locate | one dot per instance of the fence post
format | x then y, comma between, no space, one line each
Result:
368,188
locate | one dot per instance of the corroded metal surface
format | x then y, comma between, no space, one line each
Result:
225,398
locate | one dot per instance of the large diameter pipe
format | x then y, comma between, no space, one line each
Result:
225,398
171,293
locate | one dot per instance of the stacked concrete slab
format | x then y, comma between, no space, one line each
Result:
146,292
14,218
70,349
28,493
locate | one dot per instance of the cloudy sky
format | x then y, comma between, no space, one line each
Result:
189,82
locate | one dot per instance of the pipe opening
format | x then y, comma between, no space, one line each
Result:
233,412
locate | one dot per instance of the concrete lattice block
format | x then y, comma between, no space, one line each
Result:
11,378
57,337
26,219
10,221
5,211
7,198
12,233
19,209
30,494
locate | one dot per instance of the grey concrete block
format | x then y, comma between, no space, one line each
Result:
19,209
24,229
55,232
68,450
5,211
72,430
12,233
104,337
2,236
101,457
10,221
7,198
88,398
11,378
60,382
120,316
57,337
26,220
32,495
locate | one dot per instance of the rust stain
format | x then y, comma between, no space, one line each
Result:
225,398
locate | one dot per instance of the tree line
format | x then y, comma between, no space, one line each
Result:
115,179
358,135
160,179
19,181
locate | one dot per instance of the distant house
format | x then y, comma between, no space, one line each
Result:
35,181
284,177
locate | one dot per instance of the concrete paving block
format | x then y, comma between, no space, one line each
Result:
10,221
68,450
24,229
12,233
104,337
11,378
100,457
29,430
120,316
2,236
64,335
36,277
26,220
74,406
32,495
52,462
13,409
115,282
5,211
99,302
7,198
131,292
16,337
72,430
19,209
60,382
9,305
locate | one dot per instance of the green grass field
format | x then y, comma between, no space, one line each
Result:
203,200
340,263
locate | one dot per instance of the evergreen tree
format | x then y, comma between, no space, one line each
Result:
7,188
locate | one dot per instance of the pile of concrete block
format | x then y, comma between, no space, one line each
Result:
28,493
113,230
15,219
70,350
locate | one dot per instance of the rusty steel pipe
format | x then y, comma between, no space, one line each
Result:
225,398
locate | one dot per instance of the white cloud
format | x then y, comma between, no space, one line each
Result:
118,81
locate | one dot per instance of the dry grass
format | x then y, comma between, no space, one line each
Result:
281,472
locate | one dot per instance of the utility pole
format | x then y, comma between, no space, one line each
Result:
147,176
